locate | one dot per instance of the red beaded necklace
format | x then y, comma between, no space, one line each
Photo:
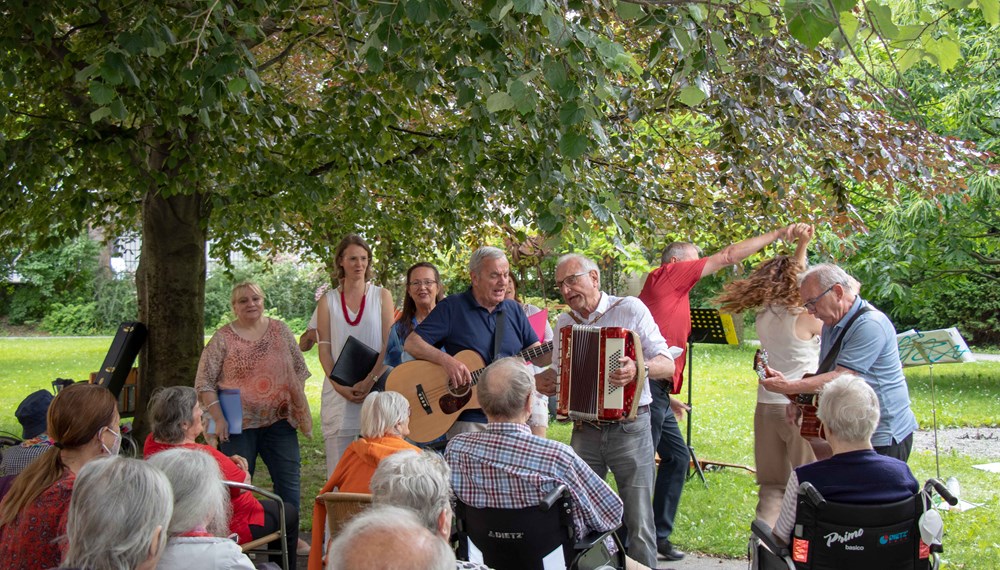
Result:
361,309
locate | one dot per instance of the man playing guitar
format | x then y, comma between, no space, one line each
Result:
471,320
856,339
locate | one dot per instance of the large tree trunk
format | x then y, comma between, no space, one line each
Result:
170,283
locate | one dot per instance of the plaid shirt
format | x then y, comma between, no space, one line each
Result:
16,458
507,467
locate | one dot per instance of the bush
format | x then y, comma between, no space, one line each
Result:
972,304
72,319
289,293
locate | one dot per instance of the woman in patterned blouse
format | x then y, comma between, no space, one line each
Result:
259,356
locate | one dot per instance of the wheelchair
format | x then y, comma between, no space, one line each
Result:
533,538
828,536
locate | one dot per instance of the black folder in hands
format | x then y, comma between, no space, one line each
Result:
355,362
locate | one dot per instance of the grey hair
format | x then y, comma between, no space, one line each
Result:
169,409
586,264
504,387
827,275
418,481
849,408
201,499
482,254
383,537
118,506
381,411
676,249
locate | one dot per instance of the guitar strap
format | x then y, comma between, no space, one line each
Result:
830,362
501,320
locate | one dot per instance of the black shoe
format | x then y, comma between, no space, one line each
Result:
668,551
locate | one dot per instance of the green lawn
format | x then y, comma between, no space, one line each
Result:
712,519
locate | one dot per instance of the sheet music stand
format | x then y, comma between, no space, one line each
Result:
708,326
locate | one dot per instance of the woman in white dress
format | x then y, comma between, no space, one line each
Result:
355,308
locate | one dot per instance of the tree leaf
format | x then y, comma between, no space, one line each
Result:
629,11
101,93
945,50
499,101
881,17
99,113
237,85
573,145
991,11
809,21
571,113
691,96
533,7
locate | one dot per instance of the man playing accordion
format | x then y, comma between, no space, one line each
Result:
623,446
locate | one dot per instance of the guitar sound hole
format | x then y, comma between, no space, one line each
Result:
452,403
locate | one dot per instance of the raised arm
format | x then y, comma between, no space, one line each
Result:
737,252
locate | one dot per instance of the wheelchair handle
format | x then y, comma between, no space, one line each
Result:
551,498
941,490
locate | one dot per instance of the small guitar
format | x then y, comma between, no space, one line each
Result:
434,404
810,428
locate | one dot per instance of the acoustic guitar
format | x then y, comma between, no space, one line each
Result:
434,404
810,428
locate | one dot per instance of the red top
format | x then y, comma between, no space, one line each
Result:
665,293
29,542
247,510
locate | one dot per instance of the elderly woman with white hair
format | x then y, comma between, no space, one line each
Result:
118,516
385,421
200,521
849,410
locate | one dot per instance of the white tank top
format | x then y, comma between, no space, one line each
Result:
786,352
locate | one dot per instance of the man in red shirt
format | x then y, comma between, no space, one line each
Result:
665,293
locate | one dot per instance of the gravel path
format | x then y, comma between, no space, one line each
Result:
972,442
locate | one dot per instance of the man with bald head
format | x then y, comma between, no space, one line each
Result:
666,293
388,537
857,339
508,467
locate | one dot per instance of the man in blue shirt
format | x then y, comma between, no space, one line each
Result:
469,321
868,348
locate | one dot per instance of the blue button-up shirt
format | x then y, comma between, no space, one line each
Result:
869,349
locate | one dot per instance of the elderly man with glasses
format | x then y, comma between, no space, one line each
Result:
623,447
857,339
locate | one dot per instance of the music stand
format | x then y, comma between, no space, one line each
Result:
708,326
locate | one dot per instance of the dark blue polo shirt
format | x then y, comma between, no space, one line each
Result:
460,323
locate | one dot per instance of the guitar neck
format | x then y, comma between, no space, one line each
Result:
526,354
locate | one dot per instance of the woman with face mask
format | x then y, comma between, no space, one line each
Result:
83,423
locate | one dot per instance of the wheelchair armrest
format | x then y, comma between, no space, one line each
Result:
763,531
593,539
551,498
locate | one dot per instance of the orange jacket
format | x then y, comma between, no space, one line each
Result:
353,474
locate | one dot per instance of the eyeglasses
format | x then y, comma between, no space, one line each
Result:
570,280
810,305
423,283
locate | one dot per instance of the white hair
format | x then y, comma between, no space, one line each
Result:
586,264
417,481
200,496
381,411
384,537
482,254
827,275
849,409
117,508
504,387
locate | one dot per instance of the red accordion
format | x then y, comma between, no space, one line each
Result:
588,357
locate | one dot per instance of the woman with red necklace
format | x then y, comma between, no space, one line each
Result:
355,308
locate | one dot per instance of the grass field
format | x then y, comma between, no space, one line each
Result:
713,518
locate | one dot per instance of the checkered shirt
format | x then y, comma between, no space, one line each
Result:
507,467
